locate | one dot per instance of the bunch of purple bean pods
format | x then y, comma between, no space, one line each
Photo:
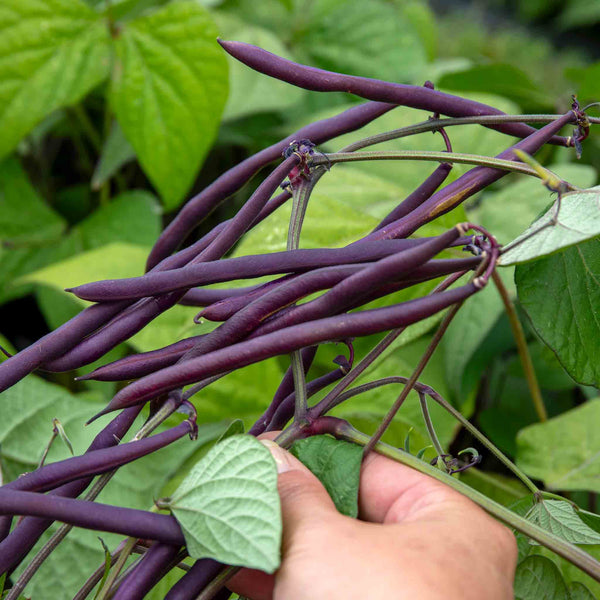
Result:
257,321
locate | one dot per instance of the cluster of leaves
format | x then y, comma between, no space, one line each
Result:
107,112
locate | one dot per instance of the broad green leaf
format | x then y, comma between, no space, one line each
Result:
24,217
496,78
538,578
422,19
236,427
564,452
560,518
590,518
561,295
228,506
372,39
578,221
578,591
116,153
251,92
169,86
52,53
337,465
524,200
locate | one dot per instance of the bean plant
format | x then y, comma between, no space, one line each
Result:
349,323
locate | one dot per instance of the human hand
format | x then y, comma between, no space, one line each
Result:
417,539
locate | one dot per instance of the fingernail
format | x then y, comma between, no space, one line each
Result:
280,456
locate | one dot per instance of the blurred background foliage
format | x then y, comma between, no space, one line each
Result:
114,112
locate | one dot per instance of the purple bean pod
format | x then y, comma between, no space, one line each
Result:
360,285
152,567
285,341
195,580
96,462
196,209
144,363
15,546
241,267
207,296
467,185
93,515
414,96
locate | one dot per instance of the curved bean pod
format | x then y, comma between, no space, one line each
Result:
319,80
285,341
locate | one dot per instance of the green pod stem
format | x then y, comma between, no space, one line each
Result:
93,515
467,185
242,267
319,80
199,207
285,341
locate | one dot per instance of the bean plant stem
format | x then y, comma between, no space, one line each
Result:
451,157
570,552
526,362
414,377
429,425
151,424
435,124
215,586
117,567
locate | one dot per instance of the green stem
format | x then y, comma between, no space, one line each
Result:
568,551
526,362
451,157
117,567
429,425
436,124
213,588
87,127
414,377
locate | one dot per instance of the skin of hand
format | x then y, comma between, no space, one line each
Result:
416,539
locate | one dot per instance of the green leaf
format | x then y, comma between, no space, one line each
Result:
564,452
502,489
501,79
578,221
24,217
590,518
578,591
236,427
116,153
52,54
538,578
372,39
228,506
251,92
561,519
561,295
337,465
169,87
524,200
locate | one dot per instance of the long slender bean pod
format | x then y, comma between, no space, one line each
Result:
93,515
15,546
230,182
145,575
241,267
193,582
207,296
284,341
319,80
96,462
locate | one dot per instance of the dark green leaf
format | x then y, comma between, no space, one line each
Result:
228,506
169,87
52,53
236,427
578,221
116,153
337,465
24,217
560,518
589,518
578,591
538,578
564,452
561,294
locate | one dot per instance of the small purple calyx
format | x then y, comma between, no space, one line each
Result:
304,150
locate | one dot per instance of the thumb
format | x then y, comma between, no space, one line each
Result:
305,503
